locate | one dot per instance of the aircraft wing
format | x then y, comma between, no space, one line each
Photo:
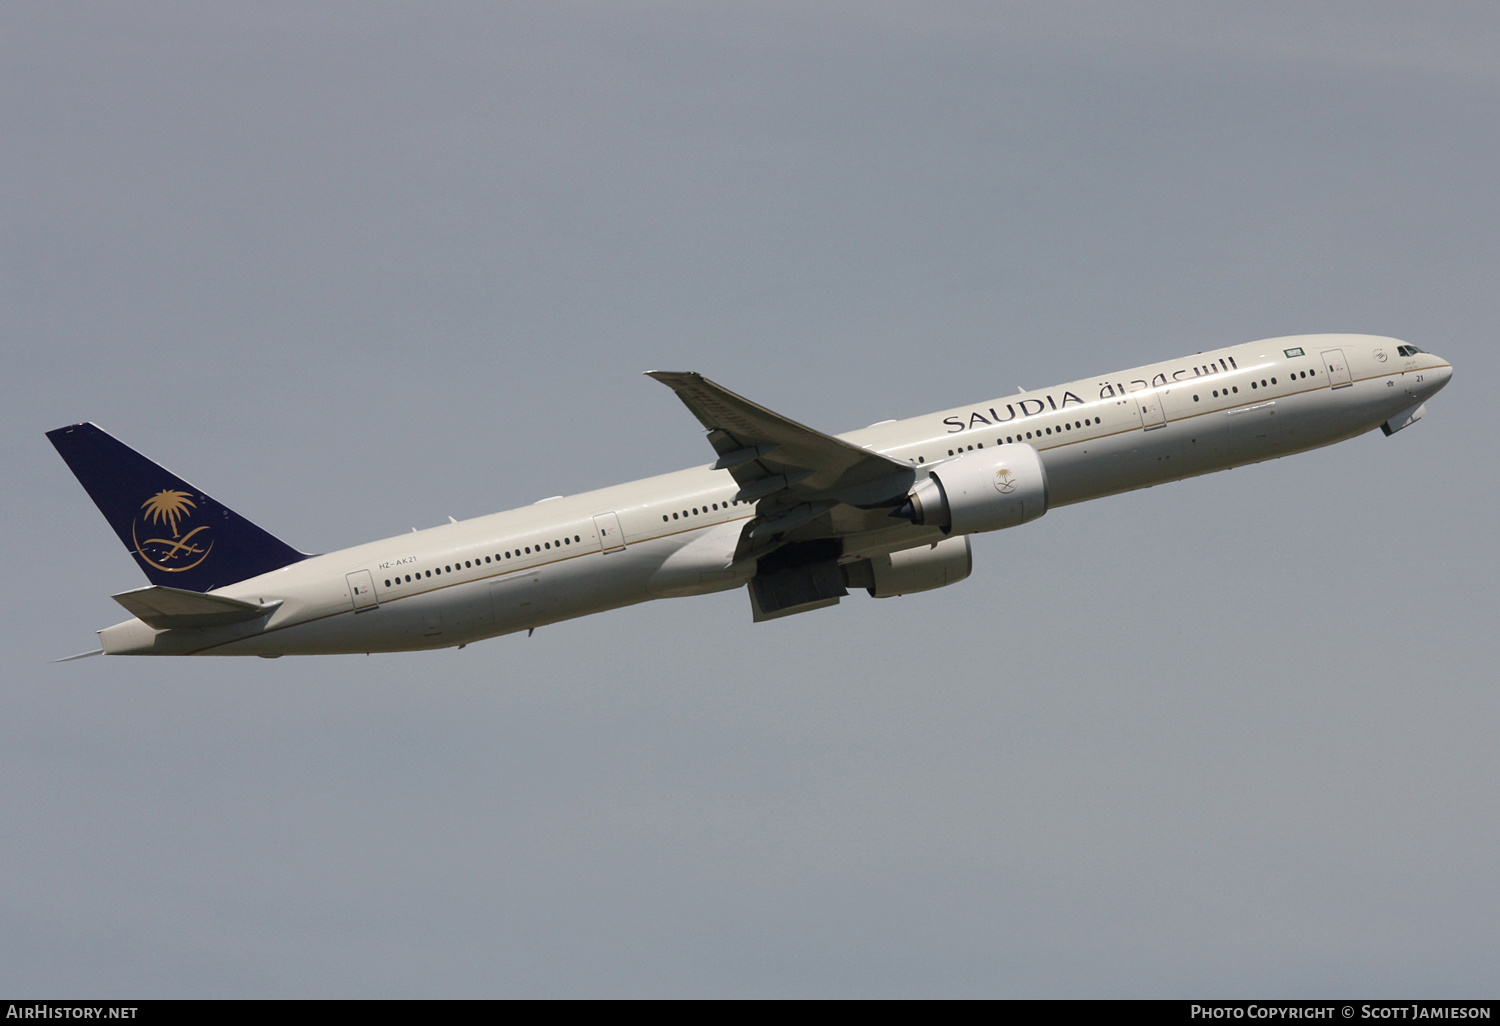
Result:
794,473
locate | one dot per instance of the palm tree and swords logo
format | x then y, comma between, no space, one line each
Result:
168,509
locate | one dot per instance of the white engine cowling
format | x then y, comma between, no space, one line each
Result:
922,568
983,490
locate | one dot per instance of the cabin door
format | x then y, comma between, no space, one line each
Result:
361,590
1337,367
611,538
1152,414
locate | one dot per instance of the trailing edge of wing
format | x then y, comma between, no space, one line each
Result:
162,607
758,446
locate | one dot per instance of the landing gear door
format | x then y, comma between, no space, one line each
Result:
361,590
611,538
1337,367
1152,414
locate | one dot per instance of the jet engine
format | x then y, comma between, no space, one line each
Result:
982,490
911,570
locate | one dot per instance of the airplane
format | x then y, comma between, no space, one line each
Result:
795,516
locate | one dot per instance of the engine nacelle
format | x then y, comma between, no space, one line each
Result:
983,490
910,570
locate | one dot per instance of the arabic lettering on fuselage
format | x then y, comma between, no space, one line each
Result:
1107,390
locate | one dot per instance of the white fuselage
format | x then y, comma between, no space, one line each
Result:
676,534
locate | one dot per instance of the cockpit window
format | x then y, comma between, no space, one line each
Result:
1407,350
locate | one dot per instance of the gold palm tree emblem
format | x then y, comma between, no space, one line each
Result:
168,507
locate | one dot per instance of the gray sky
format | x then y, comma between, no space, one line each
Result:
357,267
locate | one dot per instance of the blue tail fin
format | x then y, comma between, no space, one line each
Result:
180,536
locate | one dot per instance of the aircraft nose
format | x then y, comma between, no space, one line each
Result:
1433,380
1442,375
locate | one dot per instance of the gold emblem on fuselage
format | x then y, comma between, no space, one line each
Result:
1005,481
169,508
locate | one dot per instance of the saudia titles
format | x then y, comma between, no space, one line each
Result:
169,509
1107,390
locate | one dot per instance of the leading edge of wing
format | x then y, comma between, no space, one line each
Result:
774,457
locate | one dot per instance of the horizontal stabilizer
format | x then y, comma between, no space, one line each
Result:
164,608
